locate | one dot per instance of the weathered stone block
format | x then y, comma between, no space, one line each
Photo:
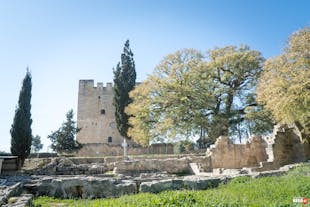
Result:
85,187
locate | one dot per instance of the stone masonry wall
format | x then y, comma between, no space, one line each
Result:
101,149
283,147
95,116
170,165
225,154
287,146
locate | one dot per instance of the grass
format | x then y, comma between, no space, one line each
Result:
241,191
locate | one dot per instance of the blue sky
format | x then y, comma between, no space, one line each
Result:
63,41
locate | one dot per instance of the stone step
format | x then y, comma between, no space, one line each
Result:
195,168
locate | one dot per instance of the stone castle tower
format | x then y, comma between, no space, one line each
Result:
95,115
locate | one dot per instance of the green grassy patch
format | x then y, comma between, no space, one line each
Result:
242,191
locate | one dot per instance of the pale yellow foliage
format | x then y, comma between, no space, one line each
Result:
141,111
284,86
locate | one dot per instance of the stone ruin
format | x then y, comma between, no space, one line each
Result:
225,154
283,147
113,177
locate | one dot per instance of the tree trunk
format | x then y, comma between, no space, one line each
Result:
20,163
228,105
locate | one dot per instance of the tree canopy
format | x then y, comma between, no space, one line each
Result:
190,94
284,86
21,133
124,82
63,140
36,145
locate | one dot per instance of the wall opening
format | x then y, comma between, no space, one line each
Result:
102,111
109,139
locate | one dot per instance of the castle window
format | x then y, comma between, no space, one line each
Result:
109,139
102,111
99,97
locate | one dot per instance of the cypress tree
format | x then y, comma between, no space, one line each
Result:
124,82
21,133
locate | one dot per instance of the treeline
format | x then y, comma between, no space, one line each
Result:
230,91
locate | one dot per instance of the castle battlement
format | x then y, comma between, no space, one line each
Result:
90,85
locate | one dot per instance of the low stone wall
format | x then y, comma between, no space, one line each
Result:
96,165
170,165
66,166
102,149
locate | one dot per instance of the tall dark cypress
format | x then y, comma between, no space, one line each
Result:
124,82
21,133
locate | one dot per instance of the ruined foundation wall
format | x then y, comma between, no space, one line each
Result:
100,149
288,146
225,154
283,147
169,165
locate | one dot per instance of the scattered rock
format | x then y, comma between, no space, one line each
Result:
21,201
8,191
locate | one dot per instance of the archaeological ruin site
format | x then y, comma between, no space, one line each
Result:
155,103
95,177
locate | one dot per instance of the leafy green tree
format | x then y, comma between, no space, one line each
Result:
21,132
124,82
161,107
189,94
63,140
36,145
235,72
284,86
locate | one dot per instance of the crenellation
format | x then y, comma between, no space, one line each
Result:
99,85
86,84
109,86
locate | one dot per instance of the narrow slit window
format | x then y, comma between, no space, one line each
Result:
109,139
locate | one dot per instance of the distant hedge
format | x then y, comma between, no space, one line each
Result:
42,155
